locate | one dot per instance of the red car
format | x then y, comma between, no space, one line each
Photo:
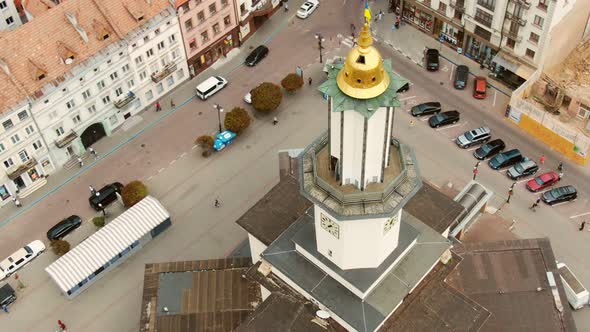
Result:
542,181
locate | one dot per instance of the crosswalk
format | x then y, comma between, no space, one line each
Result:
350,42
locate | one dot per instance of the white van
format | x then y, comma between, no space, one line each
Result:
210,86
576,294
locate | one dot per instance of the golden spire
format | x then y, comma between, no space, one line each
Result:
362,75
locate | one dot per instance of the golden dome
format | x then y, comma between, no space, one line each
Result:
362,75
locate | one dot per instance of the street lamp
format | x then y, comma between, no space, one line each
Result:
219,110
320,39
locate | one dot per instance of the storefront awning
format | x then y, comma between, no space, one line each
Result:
13,174
510,63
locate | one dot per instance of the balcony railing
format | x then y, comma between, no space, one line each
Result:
129,97
162,74
15,171
458,5
513,35
521,3
519,20
60,143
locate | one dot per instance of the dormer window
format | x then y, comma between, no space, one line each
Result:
37,72
41,76
65,53
105,36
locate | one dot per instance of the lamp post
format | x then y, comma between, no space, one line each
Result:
219,110
320,38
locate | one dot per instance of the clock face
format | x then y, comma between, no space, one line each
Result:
389,223
329,225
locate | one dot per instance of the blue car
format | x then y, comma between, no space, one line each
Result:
223,139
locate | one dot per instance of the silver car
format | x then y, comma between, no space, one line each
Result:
476,136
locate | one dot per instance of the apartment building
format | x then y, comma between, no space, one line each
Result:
94,65
252,14
511,37
9,16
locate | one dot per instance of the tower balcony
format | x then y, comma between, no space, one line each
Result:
401,180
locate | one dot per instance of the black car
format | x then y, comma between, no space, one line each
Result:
489,149
561,194
432,62
461,77
256,55
426,109
7,295
105,196
506,159
444,118
64,227
404,88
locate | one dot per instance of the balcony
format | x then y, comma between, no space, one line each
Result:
120,103
15,171
63,141
458,5
262,8
162,74
512,35
521,3
512,17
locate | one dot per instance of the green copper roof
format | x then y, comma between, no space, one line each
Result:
366,107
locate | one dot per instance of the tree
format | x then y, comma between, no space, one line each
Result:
267,97
60,247
237,120
292,82
133,192
205,142
98,221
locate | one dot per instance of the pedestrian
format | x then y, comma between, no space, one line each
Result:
92,152
560,166
412,123
286,7
61,324
542,159
16,201
5,308
582,226
102,209
92,190
217,203
309,81
275,121
158,106
172,104
397,21
560,175
80,162
534,206
352,28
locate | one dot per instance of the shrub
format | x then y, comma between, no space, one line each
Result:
133,192
292,82
205,142
60,247
266,97
98,221
237,120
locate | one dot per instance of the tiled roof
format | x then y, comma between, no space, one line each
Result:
35,47
37,7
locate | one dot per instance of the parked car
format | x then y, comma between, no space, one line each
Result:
7,295
432,61
473,137
522,169
404,88
489,149
210,87
64,227
506,159
444,118
561,194
307,8
461,77
223,139
248,98
428,108
256,56
20,258
106,195
480,88
542,181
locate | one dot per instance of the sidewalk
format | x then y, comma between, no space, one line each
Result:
146,119
410,42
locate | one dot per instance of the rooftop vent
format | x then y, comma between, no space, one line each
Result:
74,22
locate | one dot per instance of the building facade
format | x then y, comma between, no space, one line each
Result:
9,16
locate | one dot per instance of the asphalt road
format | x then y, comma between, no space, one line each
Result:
187,184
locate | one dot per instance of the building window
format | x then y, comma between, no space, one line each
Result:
23,115
188,24
170,80
172,39
442,7
530,53
106,99
86,94
142,75
192,44
160,88
114,76
125,68
118,91
70,104
76,119
483,18
485,34
216,28
184,7
24,156
91,109
113,120
204,37
201,17
243,9
489,4
15,139
130,83
227,21
534,38
164,61
59,131
510,42
8,162
212,9
157,31
175,53
37,145
100,85
224,3
542,5
2,148
9,20
30,129
583,113
149,95
3,5
154,67
139,60
146,39
180,74
7,124
149,52
538,21
161,45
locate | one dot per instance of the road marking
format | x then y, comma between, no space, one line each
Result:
495,93
406,98
470,149
182,155
194,147
558,204
423,118
160,170
347,42
448,127
172,162
579,215
523,180
151,177
445,68
451,72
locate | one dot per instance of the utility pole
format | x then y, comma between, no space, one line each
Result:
219,110
320,47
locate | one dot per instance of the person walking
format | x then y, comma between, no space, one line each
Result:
93,153
172,104
309,81
560,167
16,201
412,123
535,205
92,190
102,209
542,159
217,203
5,308
582,226
61,324
286,7
80,162
158,106
275,121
